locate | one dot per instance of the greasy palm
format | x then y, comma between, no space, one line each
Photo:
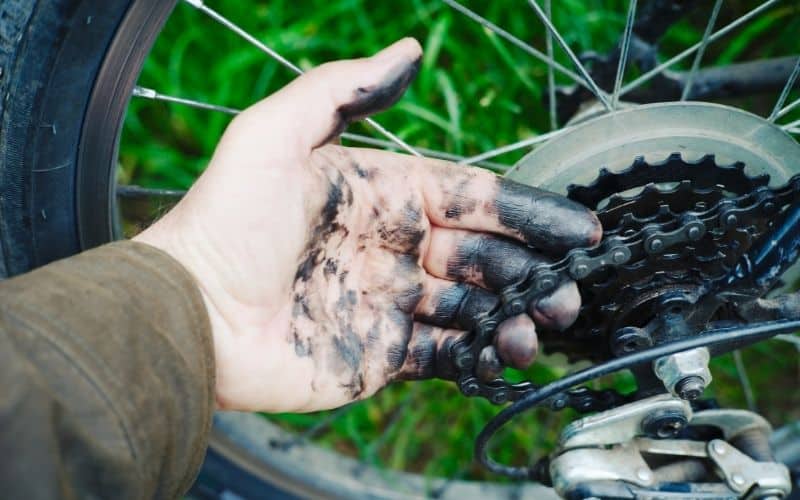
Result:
329,272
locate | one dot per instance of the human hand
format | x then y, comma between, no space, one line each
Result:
329,272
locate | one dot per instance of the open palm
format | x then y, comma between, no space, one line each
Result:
329,272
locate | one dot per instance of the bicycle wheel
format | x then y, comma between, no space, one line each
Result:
72,67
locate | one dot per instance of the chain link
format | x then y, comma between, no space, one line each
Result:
756,207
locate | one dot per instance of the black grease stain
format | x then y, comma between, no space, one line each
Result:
308,264
300,307
497,261
349,347
302,347
545,220
458,203
421,355
459,306
401,320
370,100
407,233
408,298
364,173
360,171
330,267
396,356
348,351
347,301
339,194
355,386
445,368
374,334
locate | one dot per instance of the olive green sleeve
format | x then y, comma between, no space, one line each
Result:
106,377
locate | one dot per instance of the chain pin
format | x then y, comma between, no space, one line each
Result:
619,257
470,388
546,284
514,307
499,397
656,245
694,233
580,271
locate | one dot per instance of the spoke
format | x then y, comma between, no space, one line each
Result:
701,51
431,153
791,125
785,93
139,192
744,381
577,62
623,56
199,5
147,93
694,48
515,41
551,75
787,109
513,147
792,339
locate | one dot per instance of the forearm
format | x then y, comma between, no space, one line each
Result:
108,375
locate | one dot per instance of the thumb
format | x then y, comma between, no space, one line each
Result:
317,106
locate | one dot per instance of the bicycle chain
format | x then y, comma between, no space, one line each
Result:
701,213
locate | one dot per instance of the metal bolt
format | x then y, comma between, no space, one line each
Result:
769,207
737,479
731,220
656,245
690,388
643,474
694,233
559,403
718,448
619,257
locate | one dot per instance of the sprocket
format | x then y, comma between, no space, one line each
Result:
626,201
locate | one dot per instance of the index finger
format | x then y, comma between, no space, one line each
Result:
462,197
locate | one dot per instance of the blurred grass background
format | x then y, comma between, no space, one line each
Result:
474,92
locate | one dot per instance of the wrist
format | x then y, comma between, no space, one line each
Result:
162,236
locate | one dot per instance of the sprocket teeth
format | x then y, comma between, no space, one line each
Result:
665,191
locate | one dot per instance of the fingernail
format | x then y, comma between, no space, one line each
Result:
516,342
408,47
559,309
489,366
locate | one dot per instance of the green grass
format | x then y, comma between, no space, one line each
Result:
474,92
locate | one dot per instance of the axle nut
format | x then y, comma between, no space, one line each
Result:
690,388
684,374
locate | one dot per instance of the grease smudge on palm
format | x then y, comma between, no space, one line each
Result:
329,271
